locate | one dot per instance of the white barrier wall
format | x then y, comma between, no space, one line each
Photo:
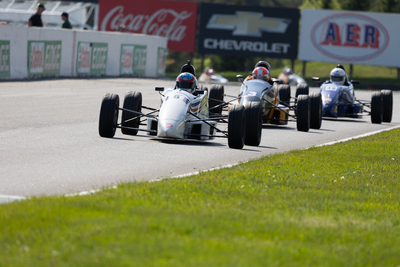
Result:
350,37
45,52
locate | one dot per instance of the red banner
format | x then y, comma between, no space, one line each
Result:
175,20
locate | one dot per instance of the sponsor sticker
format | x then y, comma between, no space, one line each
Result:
4,58
44,57
350,37
133,59
91,58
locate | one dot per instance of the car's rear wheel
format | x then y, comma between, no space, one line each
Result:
253,123
284,94
315,110
132,101
387,99
303,113
108,115
302,89
216,98
376,107
236,126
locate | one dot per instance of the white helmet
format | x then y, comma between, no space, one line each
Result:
338,76
264,64
261,73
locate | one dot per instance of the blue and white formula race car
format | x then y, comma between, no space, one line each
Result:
184,114
339,100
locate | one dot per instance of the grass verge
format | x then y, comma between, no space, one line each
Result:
325,206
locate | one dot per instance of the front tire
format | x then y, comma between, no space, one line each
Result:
236,126
132,101
284,94
108,115
376,107
253,123
315,110
216,98
303,113
387,99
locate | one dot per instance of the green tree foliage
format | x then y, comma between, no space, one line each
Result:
358,5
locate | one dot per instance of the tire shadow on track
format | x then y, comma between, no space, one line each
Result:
345,120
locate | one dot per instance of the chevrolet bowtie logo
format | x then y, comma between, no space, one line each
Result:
248,23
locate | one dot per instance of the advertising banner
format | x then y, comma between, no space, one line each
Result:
175,20
251,31
4,58
161,60
350,37
91,58
133,59
44,57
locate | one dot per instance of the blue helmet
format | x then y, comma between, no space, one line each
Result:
186,81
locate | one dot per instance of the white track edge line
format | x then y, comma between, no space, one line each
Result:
358,136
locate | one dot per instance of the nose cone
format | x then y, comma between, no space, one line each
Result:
170,129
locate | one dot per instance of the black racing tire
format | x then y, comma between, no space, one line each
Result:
132,101
302,89
253,123
387,99
236,126
315,110
284,94
376,107
216,98
108,115
303,113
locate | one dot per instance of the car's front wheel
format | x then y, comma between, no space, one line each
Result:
253,123
133,102
315,110
376,107
108,115
387,99
303,113
236,126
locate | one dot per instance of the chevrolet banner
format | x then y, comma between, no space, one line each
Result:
252,31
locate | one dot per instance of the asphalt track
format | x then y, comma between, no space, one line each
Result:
49,141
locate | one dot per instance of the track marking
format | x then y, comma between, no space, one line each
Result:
358,136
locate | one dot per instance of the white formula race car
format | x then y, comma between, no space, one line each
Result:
182,115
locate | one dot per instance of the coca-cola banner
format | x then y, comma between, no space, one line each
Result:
251,31
175,20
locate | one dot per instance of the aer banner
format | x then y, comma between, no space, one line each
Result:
251,31
350,37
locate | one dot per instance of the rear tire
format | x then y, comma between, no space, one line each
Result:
303,113
315,110
284,94
108,115
376,107
236,126
216,98
302,89
387,99
253,123
132,101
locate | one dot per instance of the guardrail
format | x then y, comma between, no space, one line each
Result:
45,52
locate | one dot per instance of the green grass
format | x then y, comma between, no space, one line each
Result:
325,206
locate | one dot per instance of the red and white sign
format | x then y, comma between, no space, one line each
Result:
349,37
175,20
